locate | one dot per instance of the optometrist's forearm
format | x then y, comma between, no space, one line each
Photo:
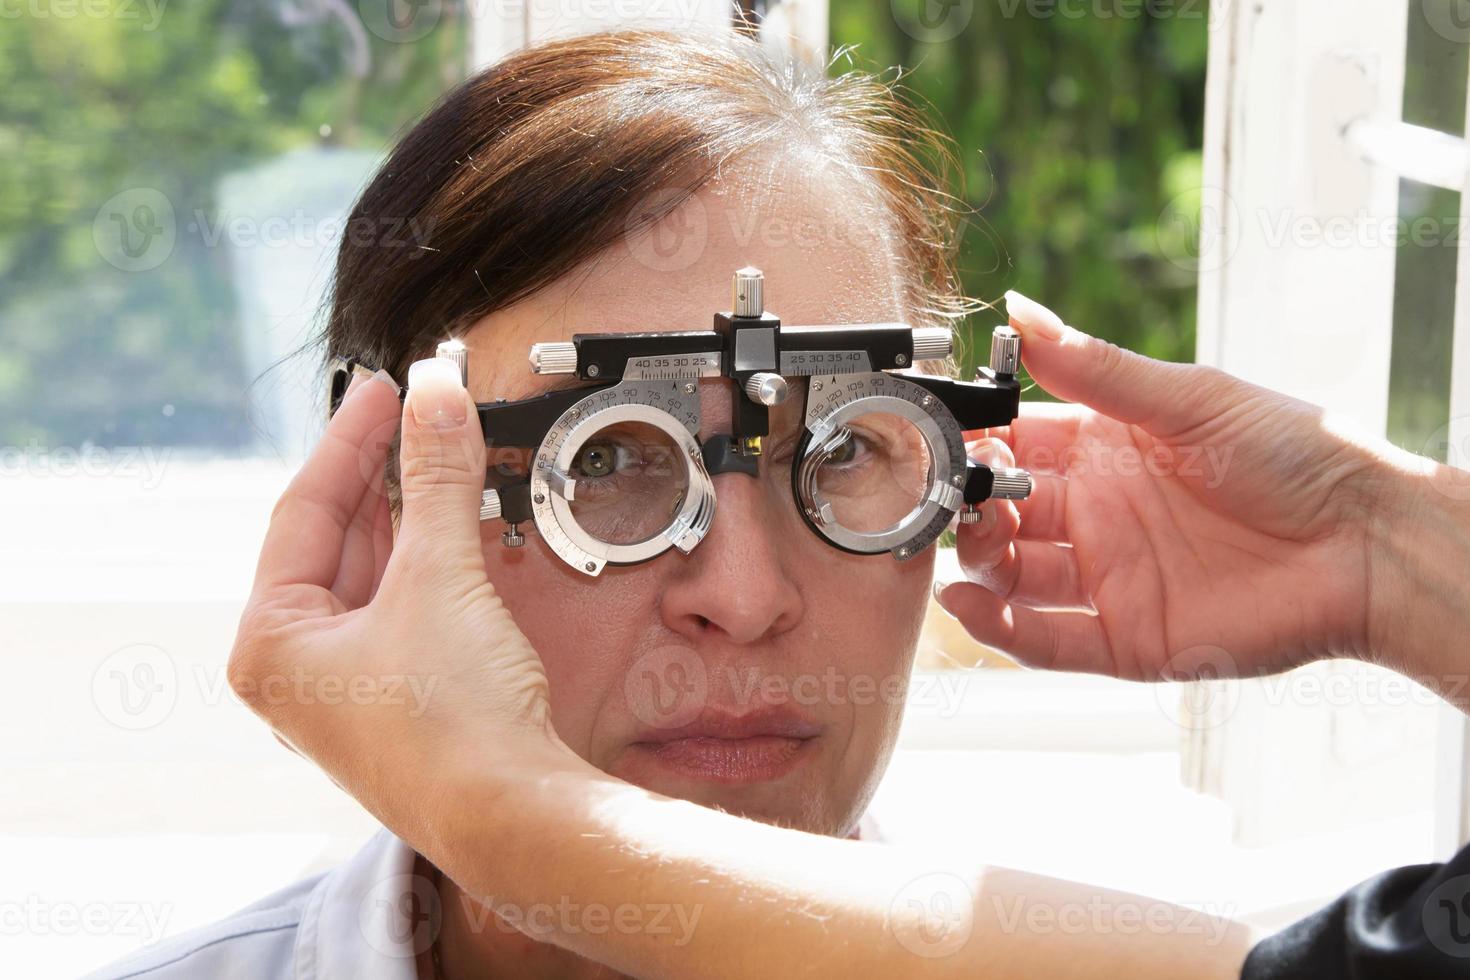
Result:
1420,595
657,888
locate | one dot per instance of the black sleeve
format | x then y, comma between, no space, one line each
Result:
1408,923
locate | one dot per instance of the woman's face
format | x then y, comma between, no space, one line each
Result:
764,672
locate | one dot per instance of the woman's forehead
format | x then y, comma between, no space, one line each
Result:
825,259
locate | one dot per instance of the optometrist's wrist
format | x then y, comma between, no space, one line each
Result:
488,812
1418,617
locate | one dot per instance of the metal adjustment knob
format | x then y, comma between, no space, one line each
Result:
454,350
971,514
749,292
766,388
1010,484
512,537
1005,352
489,505
932,343
559,357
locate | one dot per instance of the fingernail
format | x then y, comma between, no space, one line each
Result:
359,380
387,379
435,393
938,588
1027,312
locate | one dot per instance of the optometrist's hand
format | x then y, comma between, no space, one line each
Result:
374,656
1186,523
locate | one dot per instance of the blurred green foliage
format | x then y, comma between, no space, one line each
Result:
1078,129
171,97
1079,135
1074,133
1425,267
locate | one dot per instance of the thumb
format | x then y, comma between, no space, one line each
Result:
441,470
1161,397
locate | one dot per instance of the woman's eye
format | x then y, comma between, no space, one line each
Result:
852,452
602,459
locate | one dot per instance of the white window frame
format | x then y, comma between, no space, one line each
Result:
1303,129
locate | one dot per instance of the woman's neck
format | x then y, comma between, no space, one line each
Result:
475,942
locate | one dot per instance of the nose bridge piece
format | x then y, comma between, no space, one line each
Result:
722,454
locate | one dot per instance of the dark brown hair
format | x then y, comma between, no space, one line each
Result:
538,163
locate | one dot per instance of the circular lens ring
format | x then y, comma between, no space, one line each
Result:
942,437
552,511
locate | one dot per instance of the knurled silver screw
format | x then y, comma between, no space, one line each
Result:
512,538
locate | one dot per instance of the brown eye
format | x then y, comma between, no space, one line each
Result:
845,453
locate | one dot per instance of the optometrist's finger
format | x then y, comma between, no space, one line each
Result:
365,549
1037,574
1045,639
1044,512
1043,436
303,545
996,528
1162,397
441,475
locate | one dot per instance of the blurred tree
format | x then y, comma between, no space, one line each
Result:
167,98
1076,133
1079,127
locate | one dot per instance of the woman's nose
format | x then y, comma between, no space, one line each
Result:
735,583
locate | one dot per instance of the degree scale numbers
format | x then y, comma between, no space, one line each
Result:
674,367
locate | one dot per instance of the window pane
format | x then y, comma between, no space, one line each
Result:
176,178
1428,231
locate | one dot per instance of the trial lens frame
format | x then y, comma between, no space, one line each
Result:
653,377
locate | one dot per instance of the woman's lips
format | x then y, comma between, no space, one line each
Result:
728,749
728,760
